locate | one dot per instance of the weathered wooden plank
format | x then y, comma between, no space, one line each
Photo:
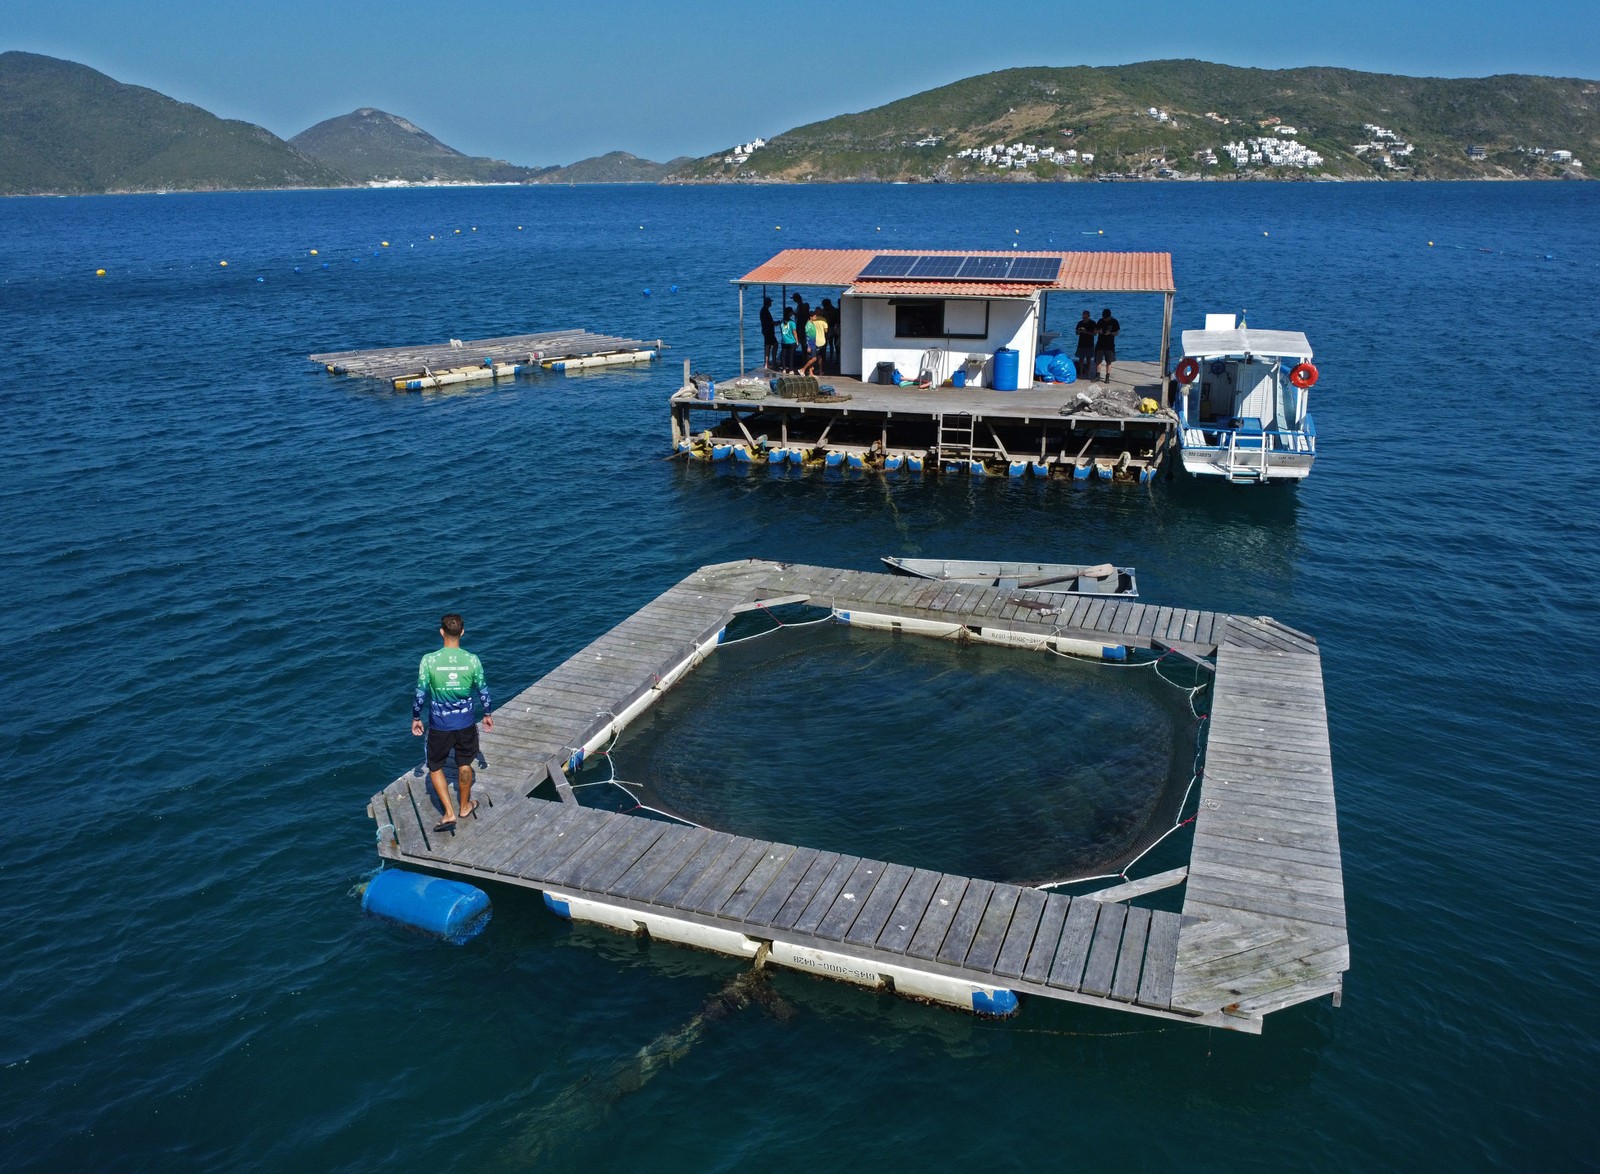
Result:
826,893
847,906
991,935
1041,956
717,845
1138,888
1101,967
560,873
552,825
659,865
941,911
1160,959
1025,918
876,908
622,862
782,887
1072,951
752,888
717,884
794,906
964,927
908,910
1130,959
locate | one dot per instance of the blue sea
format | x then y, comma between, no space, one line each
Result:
220,566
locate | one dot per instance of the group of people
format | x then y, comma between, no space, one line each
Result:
1097,344
804,340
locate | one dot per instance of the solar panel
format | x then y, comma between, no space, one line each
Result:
931,267
888,265
1035,268
984,268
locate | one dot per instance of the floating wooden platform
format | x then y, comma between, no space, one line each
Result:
1262,926
413,368
958,429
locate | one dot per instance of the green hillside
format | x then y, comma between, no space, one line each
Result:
371,145
69,129
1105,111
614,167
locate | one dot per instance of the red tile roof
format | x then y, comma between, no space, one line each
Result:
1083,272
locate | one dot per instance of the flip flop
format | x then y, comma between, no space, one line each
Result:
471,810
448,825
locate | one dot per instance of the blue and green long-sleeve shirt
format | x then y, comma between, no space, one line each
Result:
448,681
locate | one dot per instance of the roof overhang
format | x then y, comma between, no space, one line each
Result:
1107,273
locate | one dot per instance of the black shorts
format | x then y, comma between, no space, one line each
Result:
1105,354
441,742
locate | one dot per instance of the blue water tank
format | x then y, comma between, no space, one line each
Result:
449,909
1005,369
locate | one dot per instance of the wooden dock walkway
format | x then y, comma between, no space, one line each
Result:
507,354
1262,925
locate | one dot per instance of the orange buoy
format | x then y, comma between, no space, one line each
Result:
1188,370
1303,376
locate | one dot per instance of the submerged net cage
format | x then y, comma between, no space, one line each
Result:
1017,766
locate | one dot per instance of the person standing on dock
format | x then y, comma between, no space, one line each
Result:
1084,357
769,335
816,343
802,315
1105,343
830,360
450,683
786,341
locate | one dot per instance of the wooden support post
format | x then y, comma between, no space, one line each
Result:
741,330
1166,348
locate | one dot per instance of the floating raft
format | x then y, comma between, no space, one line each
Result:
417,368
1263,919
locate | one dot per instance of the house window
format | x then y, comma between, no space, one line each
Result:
936,318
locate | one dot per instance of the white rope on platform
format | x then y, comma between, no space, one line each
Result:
831,617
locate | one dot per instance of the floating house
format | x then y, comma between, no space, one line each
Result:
944,361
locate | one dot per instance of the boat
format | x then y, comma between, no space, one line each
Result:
1242,403
1052,578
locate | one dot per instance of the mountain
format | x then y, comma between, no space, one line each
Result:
615,167
372,146
1178,116
68,129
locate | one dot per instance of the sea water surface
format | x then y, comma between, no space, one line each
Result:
220,566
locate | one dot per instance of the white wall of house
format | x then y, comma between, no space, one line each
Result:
867,338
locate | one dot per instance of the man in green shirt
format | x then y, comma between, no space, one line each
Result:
450,684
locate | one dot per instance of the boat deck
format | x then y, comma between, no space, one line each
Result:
1262,925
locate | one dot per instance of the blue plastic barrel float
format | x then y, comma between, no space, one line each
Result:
445,908
1005,369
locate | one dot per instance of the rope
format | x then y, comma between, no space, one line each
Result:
831,617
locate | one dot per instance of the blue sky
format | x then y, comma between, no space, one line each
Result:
540,83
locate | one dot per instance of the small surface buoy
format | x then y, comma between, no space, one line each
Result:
641,228
261,279
430,236
374,252
385,244
1018,231
672,289
1101,232
313,252
99,272
878,229
224,264
474,228
446,908
646,293
1266,234
519,228
1549,256
777,228
458,232
1430,244
297,269
324,264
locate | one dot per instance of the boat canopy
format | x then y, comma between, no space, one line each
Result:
1241,341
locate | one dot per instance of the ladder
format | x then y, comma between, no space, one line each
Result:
957,441
1240,466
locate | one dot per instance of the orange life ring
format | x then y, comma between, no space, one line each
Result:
1188,370
1303,376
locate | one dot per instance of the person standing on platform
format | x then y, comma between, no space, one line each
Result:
816,342
1105,342
830,315
786,341
802,315
769,335
1084,357
450,684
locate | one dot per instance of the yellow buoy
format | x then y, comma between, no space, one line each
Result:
777,228
1018,231
313,252
1430,244
1102,232
386,244
102,272
458,232
430,236
223,263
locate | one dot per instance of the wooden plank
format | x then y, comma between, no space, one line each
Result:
964,927
601,855
1066,971
795,904
826,893
1160,960
908,910
754,886
782,887
646,878
875,910
1130,960
1047,937
1018,942
1103,950
622,862
719,881
560,873
941,911
864,878
991,935
555,823
705,857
